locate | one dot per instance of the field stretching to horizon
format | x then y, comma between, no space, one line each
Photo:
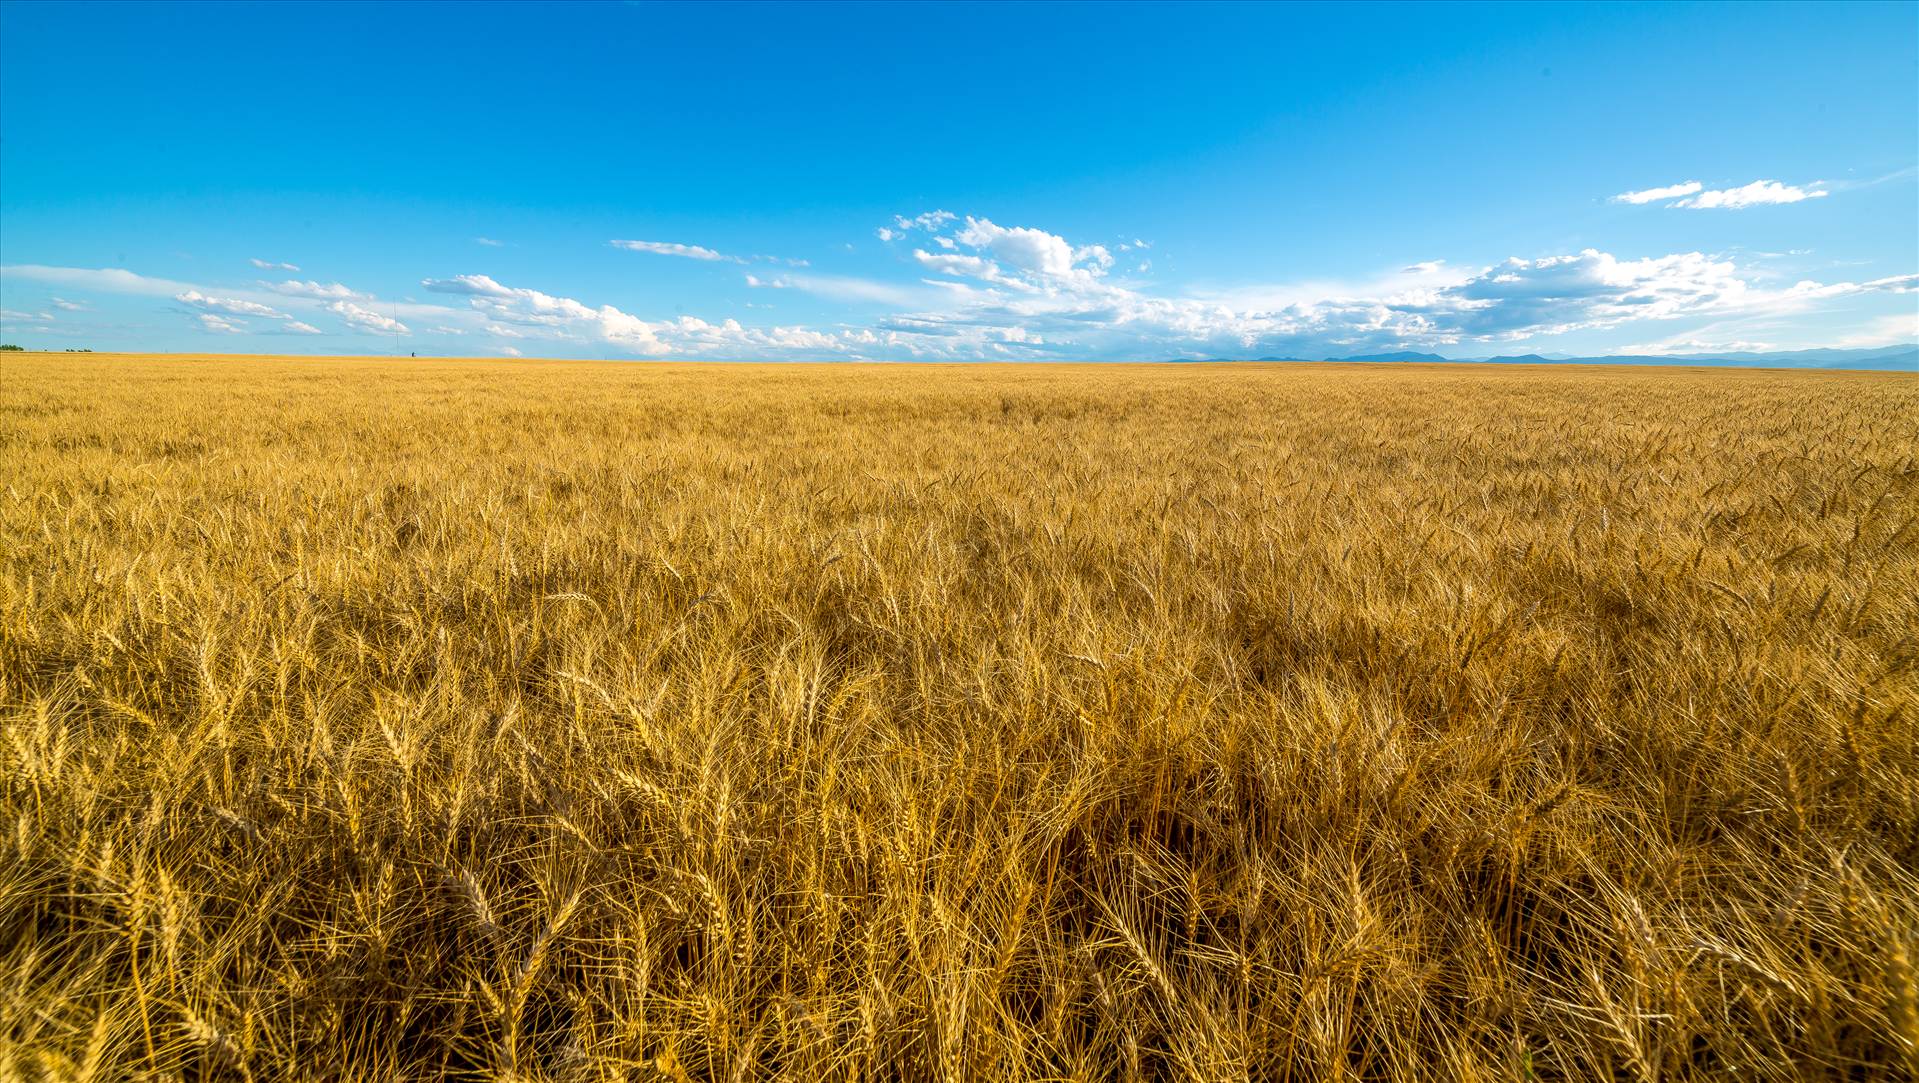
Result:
393,719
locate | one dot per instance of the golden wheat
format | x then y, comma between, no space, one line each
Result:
421,720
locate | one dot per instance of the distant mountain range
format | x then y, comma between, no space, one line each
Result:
1900,358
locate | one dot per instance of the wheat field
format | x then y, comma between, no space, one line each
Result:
575,721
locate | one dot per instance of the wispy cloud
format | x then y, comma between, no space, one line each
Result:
1759,193
489,242
324,291
533,313
230,305
367,320
103,279
1892,330
685,251
65,305
1654,195
1697,196
220,325
269,265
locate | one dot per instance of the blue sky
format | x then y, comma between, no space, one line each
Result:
958,182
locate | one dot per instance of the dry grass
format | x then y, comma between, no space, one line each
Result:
540,721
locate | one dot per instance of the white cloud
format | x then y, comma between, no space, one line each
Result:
668,248
1096,255
1757,194
532,314
329,291
929,221
269,265
26,317
759,283
104,279
489,242
67,306
221,325
299,328
1697,196
1653,195
231,305
557,316
955,264
850,289
885,233
1037,283
1893,330
1896,284
303,297
471,285
367,320
1692,345
1024,248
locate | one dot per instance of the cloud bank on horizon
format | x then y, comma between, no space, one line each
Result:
966,287
1459,180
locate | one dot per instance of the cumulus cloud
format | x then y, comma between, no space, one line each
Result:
1001,279
1654,195
1757,194
668,248
367,320
982,289
220,325
269,265
231,305
1027,249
